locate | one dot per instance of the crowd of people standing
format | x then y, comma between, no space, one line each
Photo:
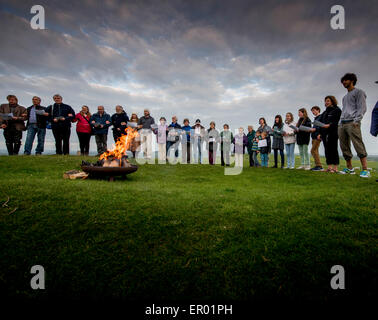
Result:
332,127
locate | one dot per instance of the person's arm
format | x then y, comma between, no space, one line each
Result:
108,122
361,106
71,114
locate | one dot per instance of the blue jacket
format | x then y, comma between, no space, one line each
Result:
62,110
102,121
374,121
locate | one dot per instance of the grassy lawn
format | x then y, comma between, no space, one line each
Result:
180,232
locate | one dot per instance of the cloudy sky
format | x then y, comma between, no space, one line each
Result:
227,61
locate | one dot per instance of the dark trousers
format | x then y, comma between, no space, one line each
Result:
101,141
116,134
330,142
251,161
225,153
186,152
212,153
84,141
12,140
276,157
175,147
62,140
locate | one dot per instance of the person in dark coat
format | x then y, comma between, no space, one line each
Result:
303,138
61,115
250,136
101,122
329,133
14,126
316,140
119,121
278,142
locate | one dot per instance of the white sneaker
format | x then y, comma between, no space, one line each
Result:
301,167
307,167
292,168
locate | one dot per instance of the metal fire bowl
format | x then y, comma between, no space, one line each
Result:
109,171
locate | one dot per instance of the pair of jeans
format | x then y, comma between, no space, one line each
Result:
256,162
303,152
102,143
32,131
264,159
225,156
197,149
62,136
12,139
84,141
175,147
276,157
290,154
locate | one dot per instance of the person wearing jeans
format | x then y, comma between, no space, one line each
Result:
289,140
198,135
303,138
144,124
255,148
36,126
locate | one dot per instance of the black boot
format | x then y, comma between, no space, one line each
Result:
16,148
10,148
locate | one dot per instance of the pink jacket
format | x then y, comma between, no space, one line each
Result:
82,124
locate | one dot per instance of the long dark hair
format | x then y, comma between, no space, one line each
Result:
305,116
279,124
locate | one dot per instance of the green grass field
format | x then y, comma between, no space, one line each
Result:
185,232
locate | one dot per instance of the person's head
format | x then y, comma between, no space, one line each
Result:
12,99
264,134
36,101
226,127
100,109
289,118
241,130
134,117
330,101
162,121
262,122
258,133
315,110
198,122
302,113
85,110
349,80
119,109
146,112
174,119
212,125
250,128
57,98
278,120
186,122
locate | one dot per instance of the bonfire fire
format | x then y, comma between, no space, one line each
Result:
117,156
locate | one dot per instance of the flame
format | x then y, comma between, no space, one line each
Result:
122,144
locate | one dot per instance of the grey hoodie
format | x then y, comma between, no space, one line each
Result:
354,106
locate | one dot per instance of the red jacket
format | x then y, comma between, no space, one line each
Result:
82,124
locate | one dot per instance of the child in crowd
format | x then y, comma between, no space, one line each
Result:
256,149
264,145
278,143
316,139
289,139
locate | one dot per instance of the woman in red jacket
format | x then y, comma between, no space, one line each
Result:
83,129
